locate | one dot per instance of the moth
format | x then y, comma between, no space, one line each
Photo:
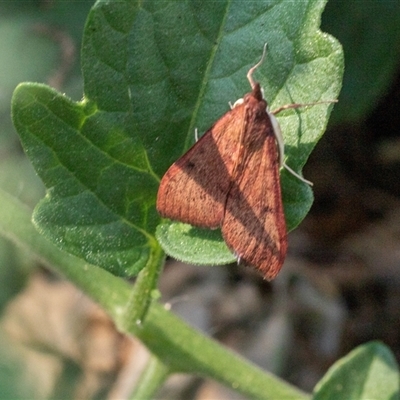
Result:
230,179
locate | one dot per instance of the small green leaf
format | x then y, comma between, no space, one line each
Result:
200,246
368,372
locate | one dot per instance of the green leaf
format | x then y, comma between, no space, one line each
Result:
368,372
303,65
199,246
154,72
93,207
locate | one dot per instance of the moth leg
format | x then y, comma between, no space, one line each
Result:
278,133
281,147
300,105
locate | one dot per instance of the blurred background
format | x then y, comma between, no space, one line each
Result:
340,285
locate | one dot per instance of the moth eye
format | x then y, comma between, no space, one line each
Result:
237,102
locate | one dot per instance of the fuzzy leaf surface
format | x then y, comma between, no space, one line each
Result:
153,73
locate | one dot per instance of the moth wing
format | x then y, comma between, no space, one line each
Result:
254,225
195,188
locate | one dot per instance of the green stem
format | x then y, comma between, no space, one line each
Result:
152,378
143,290
176,344
15,224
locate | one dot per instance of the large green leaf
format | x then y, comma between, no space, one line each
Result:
155,71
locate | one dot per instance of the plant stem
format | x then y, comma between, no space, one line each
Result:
152,378
143,290
170,339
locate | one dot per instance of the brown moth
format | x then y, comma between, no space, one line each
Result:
230,179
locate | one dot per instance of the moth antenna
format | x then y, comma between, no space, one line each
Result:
252,69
